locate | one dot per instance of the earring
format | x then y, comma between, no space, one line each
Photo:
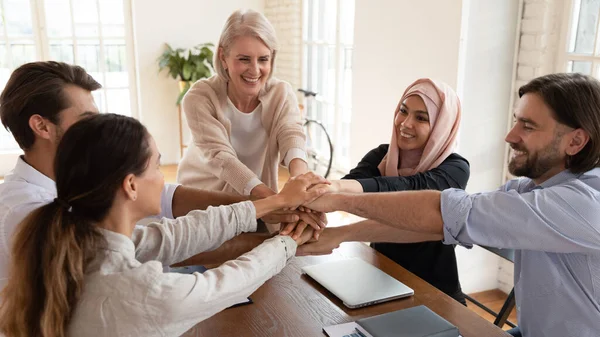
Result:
134,197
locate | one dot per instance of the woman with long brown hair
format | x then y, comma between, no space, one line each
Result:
78,268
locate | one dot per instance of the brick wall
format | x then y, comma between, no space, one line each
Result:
286,18
540,35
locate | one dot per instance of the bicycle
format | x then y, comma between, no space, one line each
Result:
319,148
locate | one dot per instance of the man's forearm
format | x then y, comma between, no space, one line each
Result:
367,230
186,199
416,211
373,231
229,250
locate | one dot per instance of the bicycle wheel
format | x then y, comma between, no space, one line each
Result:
319,149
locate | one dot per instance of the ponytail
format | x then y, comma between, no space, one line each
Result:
46,274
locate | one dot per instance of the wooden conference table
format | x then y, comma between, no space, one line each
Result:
292,304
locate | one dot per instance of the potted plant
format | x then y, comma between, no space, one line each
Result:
187,66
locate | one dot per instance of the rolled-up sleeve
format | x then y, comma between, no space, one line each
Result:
293,154
562,219
455,205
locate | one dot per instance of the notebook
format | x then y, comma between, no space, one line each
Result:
417,321
357,283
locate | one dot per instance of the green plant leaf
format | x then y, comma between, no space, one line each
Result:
203,71
162,63
187,71
187,64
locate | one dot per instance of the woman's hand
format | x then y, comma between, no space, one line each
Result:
315,220
324,203
296,192
331,239
281,217
306,236
299,190
345,186
335,186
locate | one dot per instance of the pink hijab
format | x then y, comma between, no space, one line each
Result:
443,107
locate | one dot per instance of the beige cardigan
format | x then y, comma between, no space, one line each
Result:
211,162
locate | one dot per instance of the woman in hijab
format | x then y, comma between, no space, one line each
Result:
420,156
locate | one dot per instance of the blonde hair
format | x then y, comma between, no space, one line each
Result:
245,23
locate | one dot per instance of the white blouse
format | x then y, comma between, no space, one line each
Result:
126,292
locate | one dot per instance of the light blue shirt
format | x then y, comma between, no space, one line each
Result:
555,229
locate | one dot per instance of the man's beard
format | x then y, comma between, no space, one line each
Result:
536,164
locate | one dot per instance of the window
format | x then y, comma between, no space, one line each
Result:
328,35
583,49
95,34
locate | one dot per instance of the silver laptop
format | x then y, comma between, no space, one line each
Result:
357,283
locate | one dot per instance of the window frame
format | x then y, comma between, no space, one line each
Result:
41,40
563,56
339,163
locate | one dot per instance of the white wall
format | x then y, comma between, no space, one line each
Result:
485,83
396,42
469,45
181,23
485,88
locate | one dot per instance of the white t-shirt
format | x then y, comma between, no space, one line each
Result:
249,139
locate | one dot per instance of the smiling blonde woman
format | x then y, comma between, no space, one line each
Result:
244,122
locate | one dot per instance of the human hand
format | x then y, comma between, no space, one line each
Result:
315,220
321,204
281,216
333,187
329,240
306,236
302,189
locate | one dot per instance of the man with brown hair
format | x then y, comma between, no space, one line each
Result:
39,103
551,217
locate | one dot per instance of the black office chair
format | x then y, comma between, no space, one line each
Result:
509,304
